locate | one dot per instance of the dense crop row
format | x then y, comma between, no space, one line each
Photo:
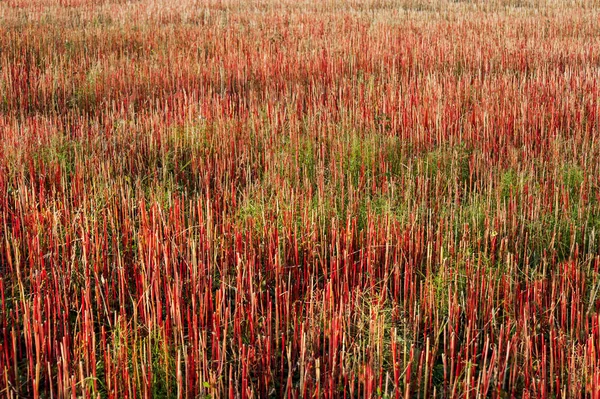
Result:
315,199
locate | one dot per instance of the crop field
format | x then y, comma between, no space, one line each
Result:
299,199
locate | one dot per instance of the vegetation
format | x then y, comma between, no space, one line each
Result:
293,199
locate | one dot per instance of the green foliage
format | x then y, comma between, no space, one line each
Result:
572,178
509,184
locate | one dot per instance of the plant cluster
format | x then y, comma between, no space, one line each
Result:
294,199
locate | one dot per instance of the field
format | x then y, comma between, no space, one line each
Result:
299,199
